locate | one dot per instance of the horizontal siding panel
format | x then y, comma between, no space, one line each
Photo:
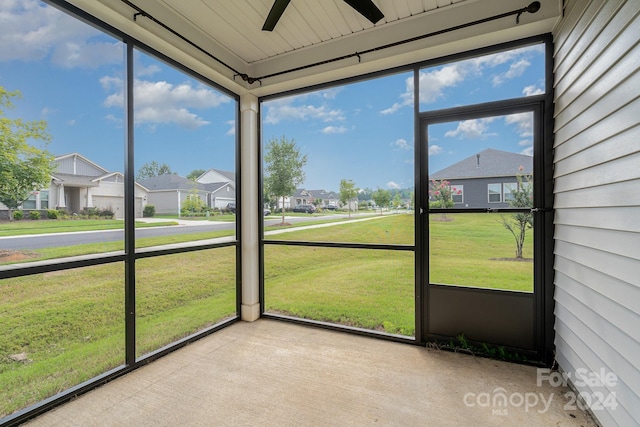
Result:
612,101
623,219
573,333
570,27
609,70
604,43
622,293
579,23
604,333
570,361
618,326
616,242
623,119
619,145
622,268
618,170
619,194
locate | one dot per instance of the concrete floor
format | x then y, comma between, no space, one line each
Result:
271,373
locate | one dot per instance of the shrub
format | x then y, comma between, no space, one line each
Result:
52,214
18,215
90,212
106,213
34,215
149,211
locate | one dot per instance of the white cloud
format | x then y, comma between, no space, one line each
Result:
393,185
141,70
523,122
516,69
402,144
288,109
532,90
232,128
395,107
434,82
471,129
334,129
527,151
434,149
162,102
525,142
33,31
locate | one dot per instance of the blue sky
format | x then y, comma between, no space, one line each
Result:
71,75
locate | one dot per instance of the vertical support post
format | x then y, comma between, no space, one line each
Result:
248,208
129,215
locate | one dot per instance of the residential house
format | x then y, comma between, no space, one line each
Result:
310,197
78,183
486,179
169,192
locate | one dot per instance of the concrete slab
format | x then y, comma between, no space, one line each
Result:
272,373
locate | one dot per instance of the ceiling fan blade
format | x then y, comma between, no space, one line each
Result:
274,14
367,9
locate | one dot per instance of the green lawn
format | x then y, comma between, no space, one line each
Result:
69,325
26,226
59,329
374,289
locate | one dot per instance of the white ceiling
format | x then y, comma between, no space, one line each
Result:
312,31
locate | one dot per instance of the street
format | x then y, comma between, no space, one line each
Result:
40,241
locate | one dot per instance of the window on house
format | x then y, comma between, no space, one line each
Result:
508,188
495,193
30,203
44,199
457,193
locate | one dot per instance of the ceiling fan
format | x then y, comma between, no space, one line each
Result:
365,7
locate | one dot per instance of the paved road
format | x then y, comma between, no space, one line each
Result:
78,238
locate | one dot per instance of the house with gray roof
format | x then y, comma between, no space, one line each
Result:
169,192
486,179
308,197
78,183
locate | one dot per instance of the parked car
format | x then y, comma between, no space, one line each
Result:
330,207
231,207
305,208
266,212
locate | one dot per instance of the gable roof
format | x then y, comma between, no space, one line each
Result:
171,182
61,164
227,176
316,194
486,164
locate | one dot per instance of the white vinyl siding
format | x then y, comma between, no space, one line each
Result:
597,197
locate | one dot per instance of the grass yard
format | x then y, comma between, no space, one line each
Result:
374,289
60,329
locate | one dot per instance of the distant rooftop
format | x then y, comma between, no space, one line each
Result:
487,163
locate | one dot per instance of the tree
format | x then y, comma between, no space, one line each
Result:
348,192
442,194
283,168
519,223
194,174
149,170
23,167
382,198
193,204
397,201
